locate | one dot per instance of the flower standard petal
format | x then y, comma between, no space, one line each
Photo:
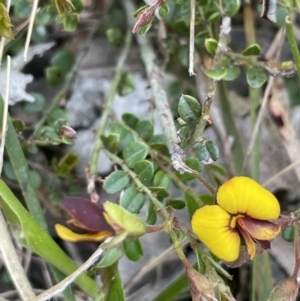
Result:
242,195
68,235
211,224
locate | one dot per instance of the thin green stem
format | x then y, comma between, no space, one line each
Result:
108,104
296,249
293,43
225,29
138,183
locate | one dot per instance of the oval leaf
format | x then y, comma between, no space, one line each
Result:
253,49
110,257
176,203
132,200
133,248
255,77
233,71
134,152
145,129
162,179
145,170
130,119
116,291
216,74
116,181
231,7
189,108
211,45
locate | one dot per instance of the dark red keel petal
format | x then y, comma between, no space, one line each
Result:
258,229
88,216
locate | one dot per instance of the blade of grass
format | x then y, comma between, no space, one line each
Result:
231,129
19,163
36,239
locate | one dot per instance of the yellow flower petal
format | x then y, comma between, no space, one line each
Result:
211,224
242,195
261,230
68,235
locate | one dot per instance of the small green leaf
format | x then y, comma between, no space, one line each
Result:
159,143
132,200
110,257
162,179
211,45
164,9
159,192
145,129
116,181
139,10
151,214
189,108
200,38
145,29
231,7
255,77
111,142
288,233
233,71
207,199
115,36
36,106
145,170
176,203
22,9
126,136
281,14
253,49
64,59
191,204
184,136
183,55
133,248
54,75
70,22
180,26
213,16
130,119
134,152
208,152
216,74
116,291
66,164
126,84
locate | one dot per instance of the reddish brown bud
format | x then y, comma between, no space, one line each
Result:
144,18
68,131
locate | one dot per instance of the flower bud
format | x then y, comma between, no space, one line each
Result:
68,131
122,220
144,18
285,290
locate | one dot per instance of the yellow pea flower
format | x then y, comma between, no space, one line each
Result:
242,213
